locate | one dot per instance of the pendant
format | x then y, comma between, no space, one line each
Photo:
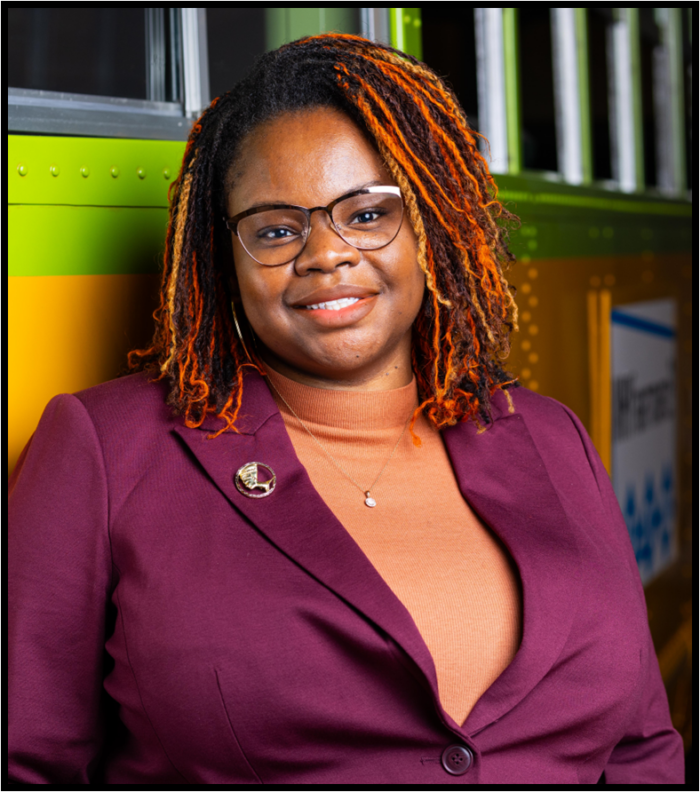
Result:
369,500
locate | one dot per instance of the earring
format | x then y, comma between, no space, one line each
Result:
238,330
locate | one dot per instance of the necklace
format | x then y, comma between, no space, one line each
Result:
369,500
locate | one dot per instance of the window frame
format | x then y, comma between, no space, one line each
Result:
63,113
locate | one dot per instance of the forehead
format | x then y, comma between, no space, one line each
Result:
308,158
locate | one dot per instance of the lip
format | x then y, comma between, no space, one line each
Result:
332,293
323,318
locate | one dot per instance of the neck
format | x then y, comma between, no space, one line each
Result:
396,372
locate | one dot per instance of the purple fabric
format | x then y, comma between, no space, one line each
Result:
166,629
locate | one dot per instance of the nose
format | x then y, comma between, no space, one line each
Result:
325,249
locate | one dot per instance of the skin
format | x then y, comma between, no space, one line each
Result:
308,159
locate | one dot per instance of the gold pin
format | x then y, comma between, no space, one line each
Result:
247,481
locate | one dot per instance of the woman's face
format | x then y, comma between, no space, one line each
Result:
309,159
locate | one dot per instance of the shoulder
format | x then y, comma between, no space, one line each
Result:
136,398
557,432
113,420
542,414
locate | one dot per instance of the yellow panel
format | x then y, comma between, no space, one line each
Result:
67,333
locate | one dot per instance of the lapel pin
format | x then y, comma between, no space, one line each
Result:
249,484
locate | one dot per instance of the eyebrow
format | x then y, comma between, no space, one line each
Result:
373,183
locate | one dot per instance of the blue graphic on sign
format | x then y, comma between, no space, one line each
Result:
650,517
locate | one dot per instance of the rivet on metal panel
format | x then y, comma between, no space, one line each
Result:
526,288
141,173
533,301
533,385
85,172
532,244
114,172
526,316
22,170
533,357
166,173
532,273
54,170
526,373
526,258
533,329
526,345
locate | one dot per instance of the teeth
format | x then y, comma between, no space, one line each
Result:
335,305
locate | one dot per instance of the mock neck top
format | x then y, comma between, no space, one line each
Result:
448,569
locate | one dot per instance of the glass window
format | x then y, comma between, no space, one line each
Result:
235,38
88,50
539,137
599,21
649,40
449,47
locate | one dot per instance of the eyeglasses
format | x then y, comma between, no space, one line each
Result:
276,234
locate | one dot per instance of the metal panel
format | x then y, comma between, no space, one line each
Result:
69,333
491,85
669,102
625,101
581,22
567,92
288,24
99,116
511,70
155,54
195,61
90,171
84,240
374,24
405,28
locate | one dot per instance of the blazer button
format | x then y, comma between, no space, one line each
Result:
457,759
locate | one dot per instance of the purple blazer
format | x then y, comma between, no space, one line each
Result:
167,629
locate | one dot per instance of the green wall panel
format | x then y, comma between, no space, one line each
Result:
45,169
406,30
288,24
85,240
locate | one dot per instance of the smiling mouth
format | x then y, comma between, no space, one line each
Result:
333,305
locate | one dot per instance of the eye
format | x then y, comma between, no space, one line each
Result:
275,234
367,216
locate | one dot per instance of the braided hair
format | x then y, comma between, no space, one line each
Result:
461,334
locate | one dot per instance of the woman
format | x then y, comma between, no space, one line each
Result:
322,538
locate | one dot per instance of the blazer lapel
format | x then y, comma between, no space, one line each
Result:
295,518
503,477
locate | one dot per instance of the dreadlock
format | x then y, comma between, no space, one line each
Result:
461,334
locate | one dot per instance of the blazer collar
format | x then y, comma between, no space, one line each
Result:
500,473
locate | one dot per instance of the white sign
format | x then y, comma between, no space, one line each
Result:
643,337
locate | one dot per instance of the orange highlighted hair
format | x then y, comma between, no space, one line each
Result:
461,335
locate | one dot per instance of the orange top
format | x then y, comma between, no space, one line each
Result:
449,570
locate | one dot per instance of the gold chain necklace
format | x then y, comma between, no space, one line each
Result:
369,500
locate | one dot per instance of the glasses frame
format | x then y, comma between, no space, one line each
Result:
232,222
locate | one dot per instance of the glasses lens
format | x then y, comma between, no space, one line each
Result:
274,236
369,220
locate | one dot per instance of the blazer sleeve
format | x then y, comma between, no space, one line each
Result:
651,750
59,576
